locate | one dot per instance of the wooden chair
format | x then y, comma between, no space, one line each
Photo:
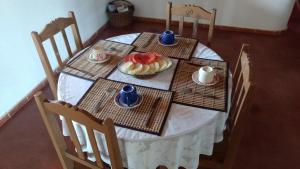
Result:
191,11
51,29
238,67
48,110
225,152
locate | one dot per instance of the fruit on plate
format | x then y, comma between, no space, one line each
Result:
145,70
137,69
144,64
143,58
163,64
100,56
126,66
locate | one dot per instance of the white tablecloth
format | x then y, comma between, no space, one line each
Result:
188,131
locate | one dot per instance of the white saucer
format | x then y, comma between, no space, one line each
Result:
125,106
173,44
196,80
92,59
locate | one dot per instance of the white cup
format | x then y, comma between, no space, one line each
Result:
97,50
206,74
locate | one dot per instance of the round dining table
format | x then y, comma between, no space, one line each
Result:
187,133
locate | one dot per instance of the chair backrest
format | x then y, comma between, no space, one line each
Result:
241,102
191,11
50,109
51,29
238,66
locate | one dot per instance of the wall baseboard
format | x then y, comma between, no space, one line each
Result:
217,27
93,38
23,102
44,82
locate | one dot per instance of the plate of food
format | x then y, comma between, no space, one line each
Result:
98,58
144,64
98,55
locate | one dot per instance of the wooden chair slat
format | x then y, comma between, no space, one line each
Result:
75,31
55,26
94,146
237,89
45,62
211,26
73,114
238,62
63,32
237,79
74,138
237,70
239,108
56,52
191,11
245,69
168,15
181,21
236,106
195,28
111,142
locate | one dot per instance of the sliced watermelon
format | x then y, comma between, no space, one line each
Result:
143,58
128,57
152,58
138,59
158,57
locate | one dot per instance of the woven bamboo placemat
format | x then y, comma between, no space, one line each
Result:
135,118
81,67
148,42
187,92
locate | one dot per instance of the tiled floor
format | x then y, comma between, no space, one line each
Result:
272,138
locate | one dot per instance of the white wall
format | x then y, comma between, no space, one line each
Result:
20,67
270,15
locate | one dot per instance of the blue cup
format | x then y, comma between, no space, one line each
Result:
128,95
167,37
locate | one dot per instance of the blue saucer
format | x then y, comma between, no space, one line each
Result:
119,103
173,44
